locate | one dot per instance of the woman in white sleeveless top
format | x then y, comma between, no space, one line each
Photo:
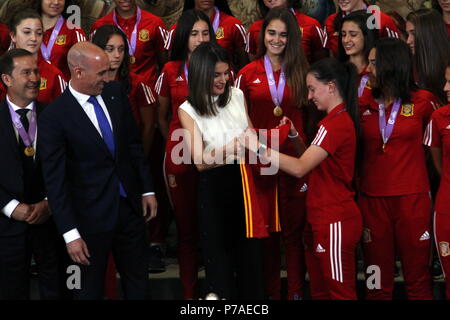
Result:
213,117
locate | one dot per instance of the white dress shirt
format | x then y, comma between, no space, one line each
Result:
88,107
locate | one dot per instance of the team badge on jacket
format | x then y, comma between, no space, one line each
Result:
220,34
443,247
144,35
43,85
407,110
61,40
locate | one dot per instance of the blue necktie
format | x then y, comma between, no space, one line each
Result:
107,134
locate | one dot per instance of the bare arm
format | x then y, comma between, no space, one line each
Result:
204,160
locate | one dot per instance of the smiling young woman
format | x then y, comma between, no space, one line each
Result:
274,86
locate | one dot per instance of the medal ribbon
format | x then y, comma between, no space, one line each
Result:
46,50
275,92
186,73
386,128
132,44
27,137
215,23
362,84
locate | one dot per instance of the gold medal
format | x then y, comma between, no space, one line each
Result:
132,59
277,111
384,148
29,151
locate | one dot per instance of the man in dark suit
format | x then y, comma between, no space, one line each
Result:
25,227
97,182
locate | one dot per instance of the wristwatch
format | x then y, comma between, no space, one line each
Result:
261,149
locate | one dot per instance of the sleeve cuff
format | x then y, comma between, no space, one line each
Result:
148,194
71,235
10,207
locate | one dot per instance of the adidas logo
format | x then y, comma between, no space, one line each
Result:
257,81
304,188
320,248
367,113
425,236
179,79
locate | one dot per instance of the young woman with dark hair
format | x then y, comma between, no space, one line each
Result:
430,45
386,27
146,34
213,117
437,138
355,42
193,29
59,34
228,31
334,220
27,33
394,190
274,86
312,36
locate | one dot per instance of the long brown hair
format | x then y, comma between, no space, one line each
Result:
294,59
432,50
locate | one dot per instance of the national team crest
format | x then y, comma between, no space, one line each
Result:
144,35
43,85
407,110
366,236
61,40
444,249
220,33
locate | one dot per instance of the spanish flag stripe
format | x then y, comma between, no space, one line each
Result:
245,196
277,216
249,210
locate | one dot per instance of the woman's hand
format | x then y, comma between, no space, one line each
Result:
292,131
249,140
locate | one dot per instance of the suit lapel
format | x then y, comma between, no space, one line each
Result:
82,120
8,130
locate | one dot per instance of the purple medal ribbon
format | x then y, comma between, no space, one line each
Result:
275,92
186,73
293,11
215,23
46,50
362,84
27,137
132,44
386,128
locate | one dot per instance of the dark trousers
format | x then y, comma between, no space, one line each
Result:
41,241
232,261
127,243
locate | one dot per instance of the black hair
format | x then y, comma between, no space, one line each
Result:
296,4
432,50
370,35
180,48
201,78
394,73
222,5
21,15
7,60
101,38
344,76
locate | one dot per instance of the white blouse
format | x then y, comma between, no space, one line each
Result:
220,129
